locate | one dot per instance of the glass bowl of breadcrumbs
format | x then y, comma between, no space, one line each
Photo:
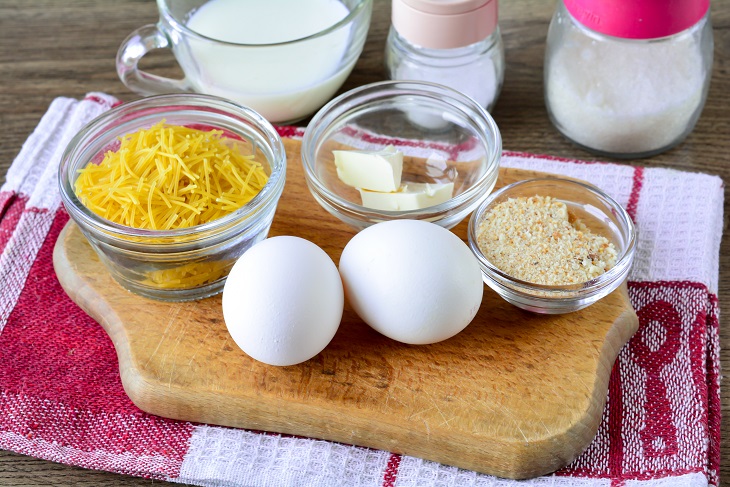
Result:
552,245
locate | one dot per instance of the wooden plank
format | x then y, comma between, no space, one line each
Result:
515,394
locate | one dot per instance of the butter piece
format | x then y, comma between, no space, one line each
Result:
371,170
411,196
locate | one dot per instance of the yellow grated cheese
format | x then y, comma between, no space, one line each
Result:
169,177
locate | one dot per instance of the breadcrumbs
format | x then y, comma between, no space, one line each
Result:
538,240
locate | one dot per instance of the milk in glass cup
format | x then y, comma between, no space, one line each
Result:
282,59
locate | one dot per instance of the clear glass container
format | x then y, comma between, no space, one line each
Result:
598,211
625,97
444,136
151,262
476,70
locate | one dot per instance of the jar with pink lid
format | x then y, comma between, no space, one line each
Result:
628,78
455,43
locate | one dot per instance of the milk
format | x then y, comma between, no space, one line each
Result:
283,82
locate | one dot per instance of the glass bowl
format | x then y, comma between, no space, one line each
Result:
446,137
598,211
185,263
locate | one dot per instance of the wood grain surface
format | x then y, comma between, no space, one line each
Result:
515,394
50,48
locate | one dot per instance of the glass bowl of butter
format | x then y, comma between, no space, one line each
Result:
401,150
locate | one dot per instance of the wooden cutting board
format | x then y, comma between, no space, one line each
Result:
515,394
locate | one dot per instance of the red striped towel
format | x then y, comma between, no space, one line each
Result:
61,396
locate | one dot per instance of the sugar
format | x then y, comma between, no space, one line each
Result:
625,97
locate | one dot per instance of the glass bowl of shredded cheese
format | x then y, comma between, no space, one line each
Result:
552,245
170,190
401,150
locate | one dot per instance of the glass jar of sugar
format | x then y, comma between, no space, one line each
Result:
628,78
456,43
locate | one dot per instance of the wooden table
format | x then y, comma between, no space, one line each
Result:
50,48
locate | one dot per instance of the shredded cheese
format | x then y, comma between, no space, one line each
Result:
169,177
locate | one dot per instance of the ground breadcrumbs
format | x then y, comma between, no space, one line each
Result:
538,240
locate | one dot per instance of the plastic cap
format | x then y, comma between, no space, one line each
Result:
444,24
638,19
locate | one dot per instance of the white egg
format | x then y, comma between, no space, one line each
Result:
283,301
412,281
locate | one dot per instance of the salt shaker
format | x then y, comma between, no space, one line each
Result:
628,78
456,43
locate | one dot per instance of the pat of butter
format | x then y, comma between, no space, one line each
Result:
371,170
412,196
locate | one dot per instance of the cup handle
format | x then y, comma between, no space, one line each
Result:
133,48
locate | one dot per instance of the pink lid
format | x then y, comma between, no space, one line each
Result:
444,24
638,19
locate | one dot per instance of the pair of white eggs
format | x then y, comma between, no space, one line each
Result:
410,280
